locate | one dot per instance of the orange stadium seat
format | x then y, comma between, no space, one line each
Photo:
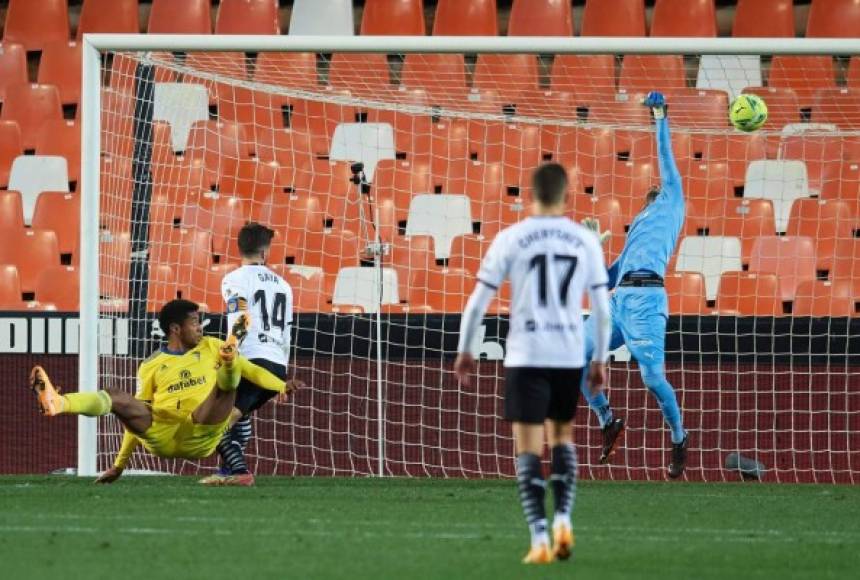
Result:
749,294
472,18
540,18
205,286
686,292
441,75
31,251
178,183
247,17
13,66
393,17
398,180
101,16
35,24
699,109
11,211
115,260
61,66
411,257
803,74
30,106
704,182
840,106
445,290
412,132
162,287
309,293
467,252
791,259
223,217
59,286
783,106
330,251
294,69
188,17
287,147
833,18
320,118
123,67
10,288
628,181
63,138
684,18
764,18
180,247
508,74
251,179
846,263
214,143
584,74
826,222
822,155
10,148
610,216
629,112
60,212
618,18
644,73
746,219
360,73
294,217
734,149
340,199
824,298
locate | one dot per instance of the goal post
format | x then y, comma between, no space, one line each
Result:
179,149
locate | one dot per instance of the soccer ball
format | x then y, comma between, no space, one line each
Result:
748,112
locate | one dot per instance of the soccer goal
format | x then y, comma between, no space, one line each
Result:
387,164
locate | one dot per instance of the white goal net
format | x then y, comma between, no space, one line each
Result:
763,336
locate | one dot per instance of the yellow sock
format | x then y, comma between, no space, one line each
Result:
228,376
89,404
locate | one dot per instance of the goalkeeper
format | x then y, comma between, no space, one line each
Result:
185,394
639,304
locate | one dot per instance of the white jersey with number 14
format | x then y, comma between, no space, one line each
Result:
269,300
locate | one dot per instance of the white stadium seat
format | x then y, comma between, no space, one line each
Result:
33,174
323,18
365,142
440,216
730,73
781,181
710,256
180,104
361,287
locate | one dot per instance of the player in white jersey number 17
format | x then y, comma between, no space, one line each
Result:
551,262
255,289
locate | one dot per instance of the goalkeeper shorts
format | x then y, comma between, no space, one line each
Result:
185,439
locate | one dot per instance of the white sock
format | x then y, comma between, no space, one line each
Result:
539,533
561,520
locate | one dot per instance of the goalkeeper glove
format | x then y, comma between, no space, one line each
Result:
657,102
594,225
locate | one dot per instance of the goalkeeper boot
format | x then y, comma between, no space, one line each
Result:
50,401
539,554
611,433
562,541
679,458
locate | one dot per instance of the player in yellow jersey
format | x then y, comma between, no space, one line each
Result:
185,396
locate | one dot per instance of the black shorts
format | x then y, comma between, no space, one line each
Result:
250,397
534,394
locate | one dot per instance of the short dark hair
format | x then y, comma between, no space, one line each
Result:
253,238
175,312
549,183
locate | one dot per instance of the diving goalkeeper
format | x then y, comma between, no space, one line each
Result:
639,304
186,391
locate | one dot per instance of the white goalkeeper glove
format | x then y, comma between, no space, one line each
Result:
594,225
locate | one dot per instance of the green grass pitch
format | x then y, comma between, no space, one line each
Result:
163,527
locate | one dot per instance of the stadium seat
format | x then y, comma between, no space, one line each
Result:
33,174
445,290
162,287
180,105
62,139
746,219
507,74
340,199
803,74
840,106
188,17
35,24
366,288
59,212
322,118
31,251
222,216
705,182
472,18
367,143
619,18
360,73
833,19
641,73
779,181
443,76
398,181
180,247
10,288
295,216
296,69
824,298
330,251
684,18
214,143
247,17
251,179
103,16
467,251
846,262
30,106
442,216
411,257
610,216
393,17
10,148
312,17
123,67
592,76
59,285
735,149
820,152
764,18
792,259
205,286
11,211
699,108
783,106
627,181
13,66
307,284
686,292
483,184
825,221
730,72
710,256
540,18
178,183
627,111
61,66
749,294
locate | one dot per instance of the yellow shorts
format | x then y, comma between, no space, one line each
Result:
185,439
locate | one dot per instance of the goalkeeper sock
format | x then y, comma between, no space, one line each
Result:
563,481
655,379
228,376
88,404
598,403
532,487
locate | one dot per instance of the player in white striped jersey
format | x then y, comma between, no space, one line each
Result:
551,262
268,298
